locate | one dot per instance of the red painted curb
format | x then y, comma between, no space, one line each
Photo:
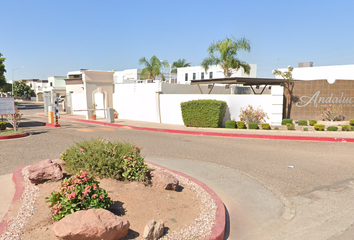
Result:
218,230
52,125
24,134
18,180
235,135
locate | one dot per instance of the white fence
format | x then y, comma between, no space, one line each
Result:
78,103
144,102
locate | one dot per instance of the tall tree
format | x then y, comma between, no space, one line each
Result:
152,67
179,64
2,71
289,86
224,53
21,89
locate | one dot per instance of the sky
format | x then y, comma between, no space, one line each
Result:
51,38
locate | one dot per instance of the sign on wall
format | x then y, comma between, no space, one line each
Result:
310,96
7,106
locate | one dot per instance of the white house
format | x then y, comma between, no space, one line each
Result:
133,75
38,86
87,87
57,85
186,74
306,71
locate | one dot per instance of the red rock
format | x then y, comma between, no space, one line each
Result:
164,180
153,230
92,224
45,170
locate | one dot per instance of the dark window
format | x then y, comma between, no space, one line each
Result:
202,76
51,84
186,77
210,75
194,75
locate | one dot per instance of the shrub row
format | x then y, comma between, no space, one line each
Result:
241,125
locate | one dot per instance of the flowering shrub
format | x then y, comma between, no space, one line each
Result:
79,192
102,158
332,113
252,115
134,166
11,118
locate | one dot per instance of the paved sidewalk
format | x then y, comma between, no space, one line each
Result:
281,134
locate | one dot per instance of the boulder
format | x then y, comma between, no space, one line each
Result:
45,170
164,180
92,224
153,230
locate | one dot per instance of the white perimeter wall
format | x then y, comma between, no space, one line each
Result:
141,103
79,103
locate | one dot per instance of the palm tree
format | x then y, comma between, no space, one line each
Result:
224,53
179,64
152,67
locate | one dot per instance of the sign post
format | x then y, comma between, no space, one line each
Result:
7,107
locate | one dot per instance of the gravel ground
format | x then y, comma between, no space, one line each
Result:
200,229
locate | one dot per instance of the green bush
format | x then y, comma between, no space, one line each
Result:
345,127
230,124
351,122
290,126
79,192
276,128
285,121
265,126
302,123
319,127
306,129
332,128
203,113
351,128
102,158
312,122
240,124
252,126
3,125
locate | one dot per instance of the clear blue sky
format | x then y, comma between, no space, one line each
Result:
50,38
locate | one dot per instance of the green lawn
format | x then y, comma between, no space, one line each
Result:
10,132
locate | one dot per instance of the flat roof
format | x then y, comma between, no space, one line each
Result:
240,80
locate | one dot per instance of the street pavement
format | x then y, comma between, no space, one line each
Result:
272,189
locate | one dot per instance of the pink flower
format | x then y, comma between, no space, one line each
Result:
87,190
81,149
71,195
101,197
94,186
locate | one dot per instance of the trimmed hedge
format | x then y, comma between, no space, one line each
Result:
2,125
302,123
351,128
332,128
252,126
285,121
319,127
230,124
203,113
265,126
345,127
240,124
306,129
290,126
351,122
313,122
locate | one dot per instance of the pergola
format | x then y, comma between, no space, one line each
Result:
239,80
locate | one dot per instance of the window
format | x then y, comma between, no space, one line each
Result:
210,75
194,76
186,77
51,84
202,77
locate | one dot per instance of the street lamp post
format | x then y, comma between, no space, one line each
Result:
13,79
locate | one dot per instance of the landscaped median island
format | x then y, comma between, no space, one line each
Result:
105,190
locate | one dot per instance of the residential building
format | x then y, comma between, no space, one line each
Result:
186,74
306,71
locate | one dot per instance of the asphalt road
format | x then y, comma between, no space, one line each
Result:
272,189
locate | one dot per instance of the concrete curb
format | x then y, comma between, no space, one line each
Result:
18,180
24,134
214,134
218,230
